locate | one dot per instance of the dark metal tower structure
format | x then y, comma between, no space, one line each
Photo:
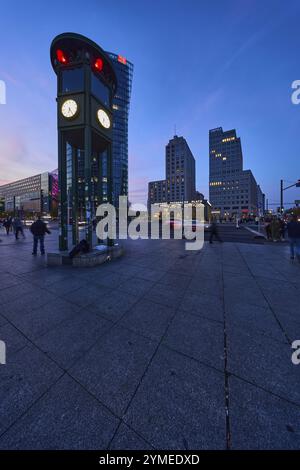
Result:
86,85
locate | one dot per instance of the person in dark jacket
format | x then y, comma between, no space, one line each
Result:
18,227
214,232
293,228
39,230
282,225
7,224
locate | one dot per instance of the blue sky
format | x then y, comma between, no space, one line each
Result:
198,64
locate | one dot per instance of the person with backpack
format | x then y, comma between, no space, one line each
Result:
39,230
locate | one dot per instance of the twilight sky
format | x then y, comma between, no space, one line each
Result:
198,64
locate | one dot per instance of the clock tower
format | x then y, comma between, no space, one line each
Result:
86,85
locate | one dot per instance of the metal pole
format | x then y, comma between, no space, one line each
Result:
281,196
63,200
88,185
110,241
75,238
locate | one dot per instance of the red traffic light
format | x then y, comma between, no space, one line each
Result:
98,64
61,56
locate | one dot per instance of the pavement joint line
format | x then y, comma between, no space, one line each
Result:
226,375
132,429
113,324
266,299
220,322
260,387
194,359
31,405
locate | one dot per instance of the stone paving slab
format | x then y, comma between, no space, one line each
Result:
72,338
254,319
127,439
114,305
27,375
204,305
260,420
65,418
113,368
13,338
148,318
2,320
264,362
179,404
165,295
198,338
38,321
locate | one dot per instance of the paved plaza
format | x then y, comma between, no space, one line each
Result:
161,349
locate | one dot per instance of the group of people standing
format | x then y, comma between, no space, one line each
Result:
37,228
14,224
277,228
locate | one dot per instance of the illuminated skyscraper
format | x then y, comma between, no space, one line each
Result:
179,184
232,190
121,102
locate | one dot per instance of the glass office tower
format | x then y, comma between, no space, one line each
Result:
121,102
232,190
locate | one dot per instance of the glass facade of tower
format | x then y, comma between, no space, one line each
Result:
99,190
232,190
121,102
36,194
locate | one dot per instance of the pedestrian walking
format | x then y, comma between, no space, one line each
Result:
18,227
214,232
275,229
268,229
293,229
39,230
7,224
282,228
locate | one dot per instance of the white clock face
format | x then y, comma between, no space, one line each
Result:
103,118
69,108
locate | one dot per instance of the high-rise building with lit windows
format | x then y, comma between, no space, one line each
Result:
121,102
232,190
179,185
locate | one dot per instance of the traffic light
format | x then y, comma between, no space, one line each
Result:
298,184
